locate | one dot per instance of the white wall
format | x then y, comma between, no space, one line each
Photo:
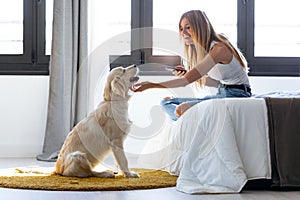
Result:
23,110
23,103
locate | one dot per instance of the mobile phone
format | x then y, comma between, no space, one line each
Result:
171,68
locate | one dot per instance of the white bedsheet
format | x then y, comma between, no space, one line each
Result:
215,147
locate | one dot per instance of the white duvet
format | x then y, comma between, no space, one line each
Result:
215,147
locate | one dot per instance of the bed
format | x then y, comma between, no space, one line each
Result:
217,146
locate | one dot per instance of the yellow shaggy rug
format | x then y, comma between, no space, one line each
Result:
149,179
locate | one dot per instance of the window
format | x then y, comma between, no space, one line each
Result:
105,24
130,36
269,41
23,37
49,19
277,33
223,17
11,27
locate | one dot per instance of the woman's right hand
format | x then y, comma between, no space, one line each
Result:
180,72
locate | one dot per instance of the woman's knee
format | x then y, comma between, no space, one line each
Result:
167,101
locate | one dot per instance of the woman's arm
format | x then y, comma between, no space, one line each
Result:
188,78
174,83
218,54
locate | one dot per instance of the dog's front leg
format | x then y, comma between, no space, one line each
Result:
122,162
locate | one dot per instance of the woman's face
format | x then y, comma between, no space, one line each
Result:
185,31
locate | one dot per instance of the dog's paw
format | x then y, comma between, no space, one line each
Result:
104,174
131,174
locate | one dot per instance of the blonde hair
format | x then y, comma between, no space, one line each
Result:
203,34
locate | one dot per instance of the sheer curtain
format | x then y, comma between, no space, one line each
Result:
68,74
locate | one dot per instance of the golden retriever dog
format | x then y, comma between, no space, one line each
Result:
102,131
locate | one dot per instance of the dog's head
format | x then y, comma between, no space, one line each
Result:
119,81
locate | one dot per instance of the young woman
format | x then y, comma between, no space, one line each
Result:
212,61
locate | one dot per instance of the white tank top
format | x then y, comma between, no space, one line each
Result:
230,74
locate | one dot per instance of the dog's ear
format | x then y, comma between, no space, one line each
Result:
106,93
118,87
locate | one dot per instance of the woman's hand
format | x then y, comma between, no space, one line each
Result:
139,87
180,72
174,83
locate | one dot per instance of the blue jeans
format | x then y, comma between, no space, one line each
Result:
170,105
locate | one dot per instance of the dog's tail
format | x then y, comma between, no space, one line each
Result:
37,171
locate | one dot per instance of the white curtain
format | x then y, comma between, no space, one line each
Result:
68,98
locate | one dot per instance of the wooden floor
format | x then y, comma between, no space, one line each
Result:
157,194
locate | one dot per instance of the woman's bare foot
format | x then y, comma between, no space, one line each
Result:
167,98
180,109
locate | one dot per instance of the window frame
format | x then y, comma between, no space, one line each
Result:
260,66
141,24
33,61
136,54
142,16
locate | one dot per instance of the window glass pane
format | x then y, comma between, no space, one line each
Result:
110,21
277,29
166,15
49,19
11,26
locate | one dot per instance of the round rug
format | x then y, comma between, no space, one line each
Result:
149,179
